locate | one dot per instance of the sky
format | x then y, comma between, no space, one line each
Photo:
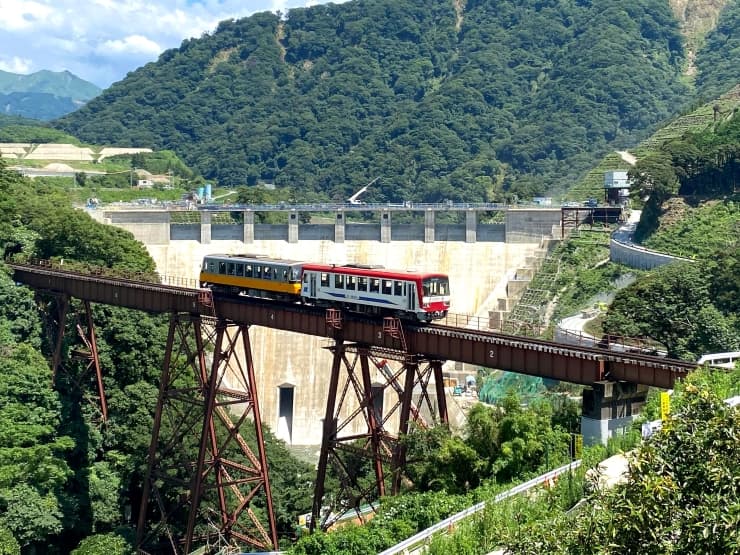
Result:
102,40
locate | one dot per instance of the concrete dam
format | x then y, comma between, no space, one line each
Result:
293,370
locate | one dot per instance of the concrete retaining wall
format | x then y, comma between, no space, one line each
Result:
639,257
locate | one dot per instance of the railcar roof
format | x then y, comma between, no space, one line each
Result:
253,258
373,272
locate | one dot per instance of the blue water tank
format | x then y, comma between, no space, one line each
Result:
201,191
209,196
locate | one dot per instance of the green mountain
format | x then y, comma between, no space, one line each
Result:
44,95
468,101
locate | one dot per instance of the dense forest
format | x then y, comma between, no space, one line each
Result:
469,101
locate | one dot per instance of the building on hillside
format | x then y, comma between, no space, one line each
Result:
616,187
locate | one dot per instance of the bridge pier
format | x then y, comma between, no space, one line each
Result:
608,409
208,416
248,227
385,226
429,226
339,227
205,227
471,224
293,227
360,382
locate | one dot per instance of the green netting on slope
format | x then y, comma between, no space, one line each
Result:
495,387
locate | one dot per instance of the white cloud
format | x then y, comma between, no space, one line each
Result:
21,14
132,44
16,65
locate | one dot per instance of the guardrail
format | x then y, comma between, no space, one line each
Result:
425,535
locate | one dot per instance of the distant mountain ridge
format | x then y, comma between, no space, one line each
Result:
44,95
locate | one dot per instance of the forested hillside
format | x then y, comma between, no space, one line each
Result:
717,62
440,99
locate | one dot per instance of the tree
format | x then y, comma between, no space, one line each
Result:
110,544
672,305
8,544
680,495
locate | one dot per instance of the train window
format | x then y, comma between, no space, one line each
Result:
267,273
248,270
324,279
205,265
387,287
374,285
436,287
285,275
240,270
211,266
338,281
362,283
294,275
305,278
351,283
230,269
398,288
258,272
222,267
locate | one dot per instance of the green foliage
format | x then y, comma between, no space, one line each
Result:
701,232
438,107
717,71
31,516
8,544
110,544
398,518
672,305
28,131
680,497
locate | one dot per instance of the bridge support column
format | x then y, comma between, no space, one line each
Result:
205,228
292,227
608,408
471,224
385,226
248,227
361,383
429,226
339,227
57,320
207,417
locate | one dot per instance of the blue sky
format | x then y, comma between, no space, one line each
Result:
102,40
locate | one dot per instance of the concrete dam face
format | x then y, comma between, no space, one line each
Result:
293,370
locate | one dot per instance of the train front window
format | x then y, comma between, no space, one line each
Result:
436,287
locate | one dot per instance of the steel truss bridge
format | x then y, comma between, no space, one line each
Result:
208,338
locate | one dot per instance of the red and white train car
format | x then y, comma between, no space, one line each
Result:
424,296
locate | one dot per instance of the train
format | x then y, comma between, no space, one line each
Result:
374,290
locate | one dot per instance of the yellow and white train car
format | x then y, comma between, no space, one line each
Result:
254,275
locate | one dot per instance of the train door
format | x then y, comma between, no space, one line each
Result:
312,285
